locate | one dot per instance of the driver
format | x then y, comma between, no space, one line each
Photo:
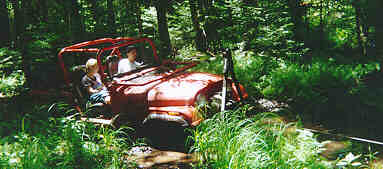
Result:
129,63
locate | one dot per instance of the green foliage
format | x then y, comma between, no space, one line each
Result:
274,52
12,84
48,142
180,25
317,83
273,36
231,140
10,61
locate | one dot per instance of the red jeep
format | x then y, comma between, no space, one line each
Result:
160,90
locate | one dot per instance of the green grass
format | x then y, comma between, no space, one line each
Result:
36,136
48,142
230,140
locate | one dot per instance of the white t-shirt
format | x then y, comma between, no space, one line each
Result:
124,65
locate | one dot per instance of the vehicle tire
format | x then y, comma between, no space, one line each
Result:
165,135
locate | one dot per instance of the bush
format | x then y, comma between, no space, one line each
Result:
320,87
249,68
10,61
12,84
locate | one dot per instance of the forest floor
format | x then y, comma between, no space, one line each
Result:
148,156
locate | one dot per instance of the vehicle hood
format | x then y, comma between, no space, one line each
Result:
181,90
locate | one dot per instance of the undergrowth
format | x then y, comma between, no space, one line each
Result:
11,76
241,138
12,84
231,140
322,87
48,142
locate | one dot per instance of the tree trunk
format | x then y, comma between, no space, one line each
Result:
297,12
25,38
139,20
375,8
321,26
358,27
76,20
18,22
31,13
111,18
43,4
4,19
200,38
161,8
210,25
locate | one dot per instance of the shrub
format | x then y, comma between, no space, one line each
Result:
12,84
10,61
316,83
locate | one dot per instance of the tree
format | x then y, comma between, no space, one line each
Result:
96,17
111,17
321,26
358,31
44,9
200,38
139,20
297,12
76,24
4,18
18,21
162,8
374,17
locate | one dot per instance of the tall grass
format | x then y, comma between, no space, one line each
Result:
230,140
48,142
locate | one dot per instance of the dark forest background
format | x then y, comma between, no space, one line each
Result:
322,57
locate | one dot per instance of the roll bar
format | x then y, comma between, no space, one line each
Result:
114,45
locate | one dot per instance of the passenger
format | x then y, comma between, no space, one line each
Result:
129,63
92,82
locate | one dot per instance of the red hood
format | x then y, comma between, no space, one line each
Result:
182,89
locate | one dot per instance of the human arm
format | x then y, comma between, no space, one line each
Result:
92,90
92,85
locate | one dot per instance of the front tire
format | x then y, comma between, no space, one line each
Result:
165,135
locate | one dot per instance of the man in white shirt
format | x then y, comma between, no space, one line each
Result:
129,63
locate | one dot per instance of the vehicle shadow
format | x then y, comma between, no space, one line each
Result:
166,136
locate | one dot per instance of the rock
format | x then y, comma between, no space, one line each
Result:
332,149
270,105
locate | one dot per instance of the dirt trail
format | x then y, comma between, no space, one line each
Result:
147,157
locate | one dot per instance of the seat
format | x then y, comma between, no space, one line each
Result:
80,95
112,64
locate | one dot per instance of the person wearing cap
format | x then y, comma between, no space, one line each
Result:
129,63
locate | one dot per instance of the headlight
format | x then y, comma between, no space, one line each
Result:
200,101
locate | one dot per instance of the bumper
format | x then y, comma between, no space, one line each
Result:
166,117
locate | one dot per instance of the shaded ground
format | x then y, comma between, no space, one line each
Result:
147,157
